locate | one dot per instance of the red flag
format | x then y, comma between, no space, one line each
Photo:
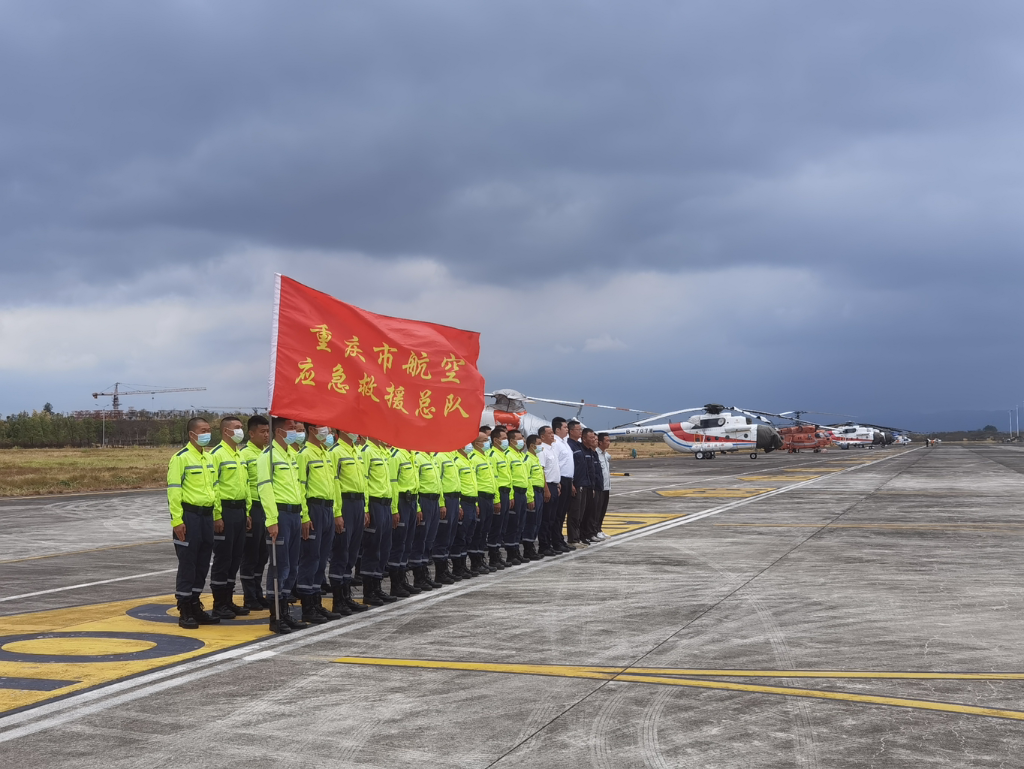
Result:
405,382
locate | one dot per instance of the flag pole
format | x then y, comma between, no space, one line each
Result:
273,437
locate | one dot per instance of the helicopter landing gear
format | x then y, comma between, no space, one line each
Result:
704,455
753,455
698,455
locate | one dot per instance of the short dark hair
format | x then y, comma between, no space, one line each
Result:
513,431
586,431
499,429
309,426
277,423
557,422
542,430
572,423
485,428
195,421
602,436
531,439
257,421
229,419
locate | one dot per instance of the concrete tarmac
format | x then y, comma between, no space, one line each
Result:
849,609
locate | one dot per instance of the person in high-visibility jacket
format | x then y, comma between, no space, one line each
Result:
190,498
405,484
317,478
284,503
451,514
255,552
496,455
487,505
350,499
378,532
468,506
230,517
428,497
514,527
535,495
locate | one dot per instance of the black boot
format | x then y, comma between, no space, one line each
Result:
229,601
441,574
370,597
494,558
185,618
413,589
530,552
309,612
260,597
325,588
397,588
458,571
277,625
434,584
378,586
251,595
329,614
220,608
201,616
476,567
419,581
512,556
346,598
288,619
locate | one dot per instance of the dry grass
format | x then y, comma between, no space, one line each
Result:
27,472
644,449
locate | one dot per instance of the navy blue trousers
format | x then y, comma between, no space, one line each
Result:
549,520
315,551
376,539
289,534
485,505
466,529
402,537
193,555
254,554
531,529
516,519
498,522
447,527
425,531
228,547
346,545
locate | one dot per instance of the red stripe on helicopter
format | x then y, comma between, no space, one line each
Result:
677,430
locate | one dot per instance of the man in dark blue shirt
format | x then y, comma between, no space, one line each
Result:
581,480
589,525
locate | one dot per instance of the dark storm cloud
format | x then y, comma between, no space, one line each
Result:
867,142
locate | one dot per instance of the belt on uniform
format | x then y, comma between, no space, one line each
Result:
320,500
467,498
281,508
407,496
519,488
197,509
233,504
429,496
352,495
504,488
383,500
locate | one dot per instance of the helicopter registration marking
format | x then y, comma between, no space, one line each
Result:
749,491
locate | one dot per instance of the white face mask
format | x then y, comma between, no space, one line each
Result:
323,432
237,435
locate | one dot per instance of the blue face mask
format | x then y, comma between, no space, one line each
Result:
300,437
487,444
291,437
469,448
329,440
520,444
203,439
504,443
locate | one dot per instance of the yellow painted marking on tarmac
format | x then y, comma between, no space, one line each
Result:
104,618
621,523
814,470
665,676
749,491
793,477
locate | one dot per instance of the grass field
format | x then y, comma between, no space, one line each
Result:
27,472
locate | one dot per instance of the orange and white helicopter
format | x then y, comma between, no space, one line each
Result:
509,409
714,429
861,436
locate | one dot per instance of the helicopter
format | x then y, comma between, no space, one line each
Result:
715,429
509,409
860,436
805,435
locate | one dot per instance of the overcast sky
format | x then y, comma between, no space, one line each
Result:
653,204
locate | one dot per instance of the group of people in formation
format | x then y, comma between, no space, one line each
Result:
323,510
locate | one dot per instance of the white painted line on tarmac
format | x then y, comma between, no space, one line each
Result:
87,584
54,714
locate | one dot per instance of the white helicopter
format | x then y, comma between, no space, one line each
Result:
714,429
509,409
860,436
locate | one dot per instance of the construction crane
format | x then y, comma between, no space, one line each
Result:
117,392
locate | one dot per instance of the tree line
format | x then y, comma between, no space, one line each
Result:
45,429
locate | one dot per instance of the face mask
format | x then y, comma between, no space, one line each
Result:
538,448
487,444
504,443
352,437
291,437
469,448
238,436
300,437
203,439
322,433
520,444
329,440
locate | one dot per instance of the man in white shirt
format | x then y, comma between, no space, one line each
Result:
566,468
548,457
604,442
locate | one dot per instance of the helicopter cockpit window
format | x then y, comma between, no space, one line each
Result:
712,422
